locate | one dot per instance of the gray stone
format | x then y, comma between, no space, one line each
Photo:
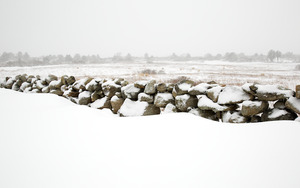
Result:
298,91
278,114
251,108
293,104
130,91
145,97
183,87
84,98
150,87
162,99
116,103
186,101
162,87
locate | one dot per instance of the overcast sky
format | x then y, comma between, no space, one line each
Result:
159,27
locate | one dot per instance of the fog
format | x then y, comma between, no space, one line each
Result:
158,27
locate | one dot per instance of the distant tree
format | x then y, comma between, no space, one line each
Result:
77,58
68,58
117,56
128,57
208,56
20,56
278,55
271,55
231,57
174,57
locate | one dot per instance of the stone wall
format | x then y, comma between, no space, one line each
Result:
234,104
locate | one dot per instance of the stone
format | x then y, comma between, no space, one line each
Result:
116,103
150,87
280,104
140,84
46,89
170,108
183,87
186,101
70,80
234,117
208,114
56,92
80,84
204,103
233,95
130,91
162,99
271,92
101,103
200,89
214,93
170,87
298,91
84,98
278,114
251,108
145,97
51,78
93,85
137,108
55,84
151,109
162,87
119,81
293,104
255,119
110,88
95,96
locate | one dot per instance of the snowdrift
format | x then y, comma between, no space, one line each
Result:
47,141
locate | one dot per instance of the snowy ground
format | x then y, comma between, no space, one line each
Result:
47,141
284,74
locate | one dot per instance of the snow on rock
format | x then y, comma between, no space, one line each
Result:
130,91
150,87
162,99
294,104
183,87
200,88
110,88
170,108
101,103
272,92
214,93
278,114
137,108
233,117
55,84
185,102
208,114
84,98
116,103
233,95
93,85
204,103
24,86
140,84
145,97
250,108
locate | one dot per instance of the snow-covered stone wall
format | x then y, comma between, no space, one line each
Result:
233,104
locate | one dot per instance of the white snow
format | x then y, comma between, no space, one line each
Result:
232,94
169,108
202,87
133,108
163,96
114,98
84,94
47,141
295,102
274,89
277,113
205,103
99,103
185,86
215,90
252,103
127,90
246,87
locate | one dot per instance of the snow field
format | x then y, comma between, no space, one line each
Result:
47,141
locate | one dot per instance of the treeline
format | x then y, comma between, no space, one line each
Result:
24,59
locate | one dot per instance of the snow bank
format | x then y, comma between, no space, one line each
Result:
55,143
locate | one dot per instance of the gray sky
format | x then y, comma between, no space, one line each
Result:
159,27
